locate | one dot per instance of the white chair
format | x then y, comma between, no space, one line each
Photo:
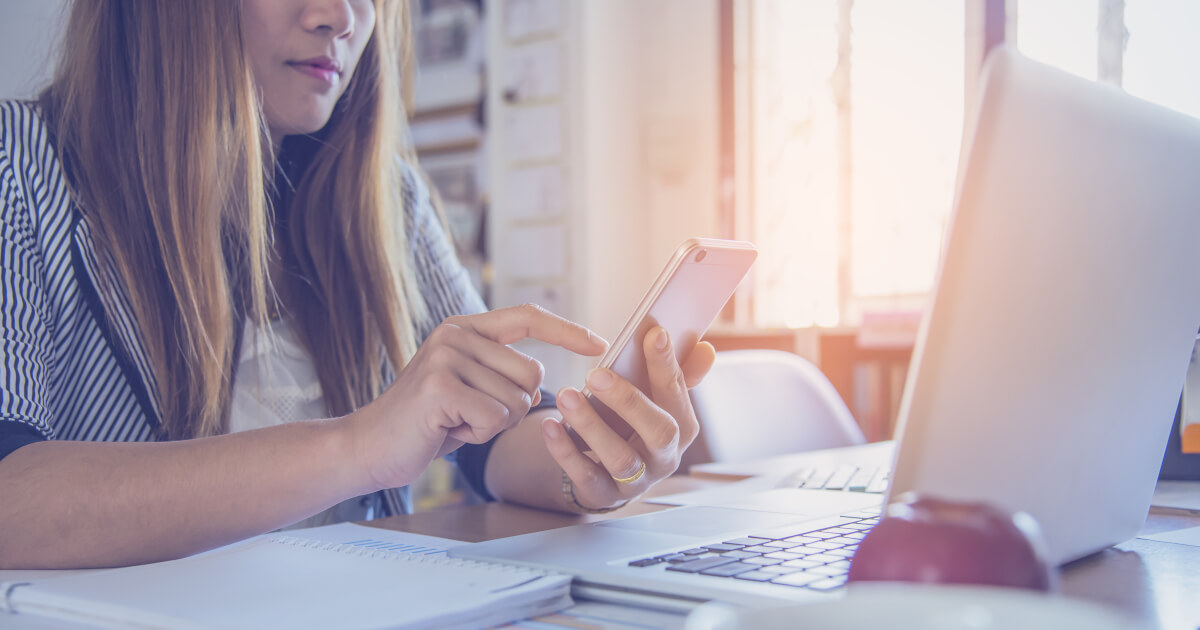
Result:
757,403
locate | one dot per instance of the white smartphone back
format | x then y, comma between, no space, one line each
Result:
686,299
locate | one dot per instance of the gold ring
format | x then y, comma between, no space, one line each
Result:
637,475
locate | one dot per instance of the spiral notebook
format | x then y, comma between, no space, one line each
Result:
374,579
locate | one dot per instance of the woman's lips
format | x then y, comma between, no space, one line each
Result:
322,72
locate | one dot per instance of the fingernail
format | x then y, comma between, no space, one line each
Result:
661,341
600,379
568,398
552,429
597,339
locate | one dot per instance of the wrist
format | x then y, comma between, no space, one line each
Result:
353,451
568,491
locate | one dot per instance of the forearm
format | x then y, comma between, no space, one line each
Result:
521,470
92,504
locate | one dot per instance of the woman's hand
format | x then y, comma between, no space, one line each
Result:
664,423
464,384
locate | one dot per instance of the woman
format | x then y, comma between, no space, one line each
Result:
195,353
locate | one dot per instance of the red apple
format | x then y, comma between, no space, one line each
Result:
925,539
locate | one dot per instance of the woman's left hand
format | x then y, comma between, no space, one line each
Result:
664,424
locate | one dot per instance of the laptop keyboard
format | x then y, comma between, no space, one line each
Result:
814,555
847,477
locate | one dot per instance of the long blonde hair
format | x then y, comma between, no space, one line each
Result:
155,113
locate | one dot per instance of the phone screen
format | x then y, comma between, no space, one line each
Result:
685,300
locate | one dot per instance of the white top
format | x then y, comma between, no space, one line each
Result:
277,383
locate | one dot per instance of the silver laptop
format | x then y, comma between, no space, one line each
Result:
1045,377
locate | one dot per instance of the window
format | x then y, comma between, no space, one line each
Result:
1146,46
849,117
855,120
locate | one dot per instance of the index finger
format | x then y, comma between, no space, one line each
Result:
530,321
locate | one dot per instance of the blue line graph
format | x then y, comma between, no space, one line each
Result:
371,543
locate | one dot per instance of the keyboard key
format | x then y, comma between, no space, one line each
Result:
828,584
694,552
828,570
785,555
780,569
810,526
807,550
803,540
840,564
841,531
781,544
821,535
842,541
729,570
879,484
674,557
844,552
841,478
857,536
803,578
757,576
749,540
862,479
645,562
817,479
719,547
825,545
801,564
762,561
797,479
760,549
702,564
823,558
740,554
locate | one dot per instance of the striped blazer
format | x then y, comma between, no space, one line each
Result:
73,365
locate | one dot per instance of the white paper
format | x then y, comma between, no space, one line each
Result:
376,538
606,616
342,576
1189,536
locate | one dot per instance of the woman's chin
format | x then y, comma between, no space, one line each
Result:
299,123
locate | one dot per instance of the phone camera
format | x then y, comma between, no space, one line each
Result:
701,254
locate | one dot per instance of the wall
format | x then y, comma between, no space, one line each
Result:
28,30
633,170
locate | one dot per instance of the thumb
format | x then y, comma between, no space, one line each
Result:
698,363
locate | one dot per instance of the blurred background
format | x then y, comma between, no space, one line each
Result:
575,143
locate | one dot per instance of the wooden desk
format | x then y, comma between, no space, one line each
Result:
1155,581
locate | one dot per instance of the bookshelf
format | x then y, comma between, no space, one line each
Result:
449,123
449,132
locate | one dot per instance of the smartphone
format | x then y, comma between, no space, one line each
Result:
685,300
